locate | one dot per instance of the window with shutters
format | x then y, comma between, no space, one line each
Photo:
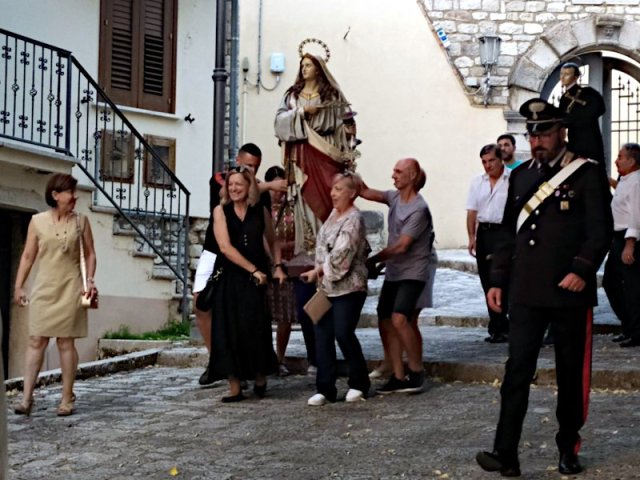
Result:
137,52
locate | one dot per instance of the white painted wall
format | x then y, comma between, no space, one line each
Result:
391,67
75,25
394,72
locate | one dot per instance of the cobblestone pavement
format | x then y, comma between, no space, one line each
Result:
144,423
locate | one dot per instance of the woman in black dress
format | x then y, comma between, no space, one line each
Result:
241,329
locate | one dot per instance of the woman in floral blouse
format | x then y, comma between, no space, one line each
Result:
341,252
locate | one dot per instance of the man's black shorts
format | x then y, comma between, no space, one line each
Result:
399,297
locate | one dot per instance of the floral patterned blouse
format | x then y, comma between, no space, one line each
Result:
341,251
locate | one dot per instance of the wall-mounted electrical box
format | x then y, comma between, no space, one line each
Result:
277,62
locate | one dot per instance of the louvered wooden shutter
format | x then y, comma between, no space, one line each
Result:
156,77
137,43
118,62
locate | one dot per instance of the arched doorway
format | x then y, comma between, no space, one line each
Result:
617,78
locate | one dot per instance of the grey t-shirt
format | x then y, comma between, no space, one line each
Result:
413,219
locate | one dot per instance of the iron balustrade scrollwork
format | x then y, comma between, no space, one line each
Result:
50,101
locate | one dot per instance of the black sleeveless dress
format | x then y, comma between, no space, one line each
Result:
242,346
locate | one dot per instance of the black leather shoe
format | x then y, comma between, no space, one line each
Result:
569,464
498,338
205,380
632,342
260,390
234,398
620,338
491,462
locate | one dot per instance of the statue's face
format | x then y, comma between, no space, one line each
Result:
308,69
567,76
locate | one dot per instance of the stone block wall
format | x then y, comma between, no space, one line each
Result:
536,36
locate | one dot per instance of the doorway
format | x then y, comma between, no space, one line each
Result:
13,232
617,78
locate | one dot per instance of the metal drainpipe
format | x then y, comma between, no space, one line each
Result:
259,75
219,82
233,83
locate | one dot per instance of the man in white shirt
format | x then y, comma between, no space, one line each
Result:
485,207
621,279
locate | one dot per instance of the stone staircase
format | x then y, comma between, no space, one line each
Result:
162,233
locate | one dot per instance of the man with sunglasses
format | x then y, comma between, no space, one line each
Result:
249,156
559,227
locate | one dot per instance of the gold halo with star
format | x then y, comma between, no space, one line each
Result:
324,46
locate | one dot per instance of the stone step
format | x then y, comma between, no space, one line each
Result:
462,261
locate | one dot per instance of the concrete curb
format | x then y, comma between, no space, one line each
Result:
470,266
445,371
108,347
185,357
130,361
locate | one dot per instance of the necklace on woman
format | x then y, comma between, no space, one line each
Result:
61,237
309,95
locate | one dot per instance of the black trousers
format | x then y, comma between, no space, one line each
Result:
572,328
487,241
303,292
622,284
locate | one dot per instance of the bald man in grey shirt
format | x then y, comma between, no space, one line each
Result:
407,261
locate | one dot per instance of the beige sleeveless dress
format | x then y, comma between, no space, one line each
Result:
55,308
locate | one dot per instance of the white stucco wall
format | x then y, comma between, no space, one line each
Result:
394,72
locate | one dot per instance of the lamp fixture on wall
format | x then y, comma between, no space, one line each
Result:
489,53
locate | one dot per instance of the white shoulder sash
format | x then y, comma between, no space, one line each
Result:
547,188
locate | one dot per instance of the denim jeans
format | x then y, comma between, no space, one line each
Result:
339,324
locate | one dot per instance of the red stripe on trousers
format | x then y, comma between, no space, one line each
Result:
586,369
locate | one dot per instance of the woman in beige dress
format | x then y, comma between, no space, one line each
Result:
55,306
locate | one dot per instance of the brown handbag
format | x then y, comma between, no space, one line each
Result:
317,306
91,302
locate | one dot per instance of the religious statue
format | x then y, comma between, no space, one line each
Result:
582,106
316,129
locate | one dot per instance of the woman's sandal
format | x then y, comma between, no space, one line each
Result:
23,409
66,408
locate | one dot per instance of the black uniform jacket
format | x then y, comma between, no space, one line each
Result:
570,232
585,138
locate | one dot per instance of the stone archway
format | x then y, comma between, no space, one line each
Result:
558,44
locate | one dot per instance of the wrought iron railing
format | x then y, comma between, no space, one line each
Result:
48,99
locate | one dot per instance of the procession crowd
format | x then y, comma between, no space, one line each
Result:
292,248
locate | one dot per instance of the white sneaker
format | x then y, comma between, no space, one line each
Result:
317,400
354,395
312,370
378,372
